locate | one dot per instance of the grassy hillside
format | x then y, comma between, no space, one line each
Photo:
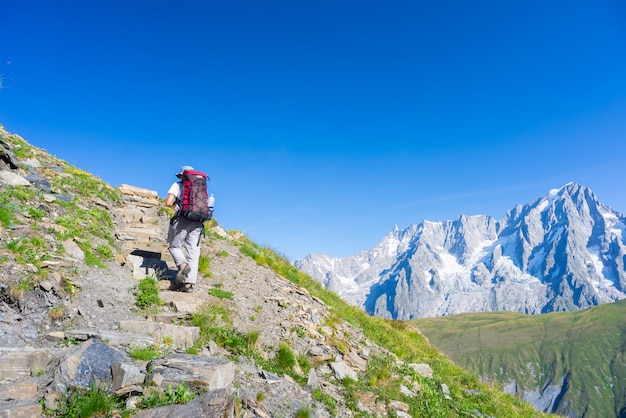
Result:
401,338
80,210
586,347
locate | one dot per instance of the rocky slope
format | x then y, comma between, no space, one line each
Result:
248,342
563,252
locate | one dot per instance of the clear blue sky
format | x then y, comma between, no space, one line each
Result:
325,123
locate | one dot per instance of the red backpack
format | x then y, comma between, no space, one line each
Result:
195,205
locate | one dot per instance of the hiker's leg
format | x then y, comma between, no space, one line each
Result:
176,237
192,246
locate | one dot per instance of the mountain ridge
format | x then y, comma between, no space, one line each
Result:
563,251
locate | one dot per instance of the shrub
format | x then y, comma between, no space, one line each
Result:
148,294
304,412
180,395
285,359
88,403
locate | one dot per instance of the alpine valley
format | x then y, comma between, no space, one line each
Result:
566,251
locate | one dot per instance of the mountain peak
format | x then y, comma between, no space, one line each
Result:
562,252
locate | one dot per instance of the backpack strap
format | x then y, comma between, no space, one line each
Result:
202,234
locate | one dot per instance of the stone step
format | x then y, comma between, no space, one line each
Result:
112,338
18,363
169,317
32,409
184,303
151,263
178,336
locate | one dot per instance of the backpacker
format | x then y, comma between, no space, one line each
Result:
194,204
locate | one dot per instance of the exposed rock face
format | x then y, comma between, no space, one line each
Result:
563,252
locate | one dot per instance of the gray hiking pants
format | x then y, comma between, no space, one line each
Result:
185,233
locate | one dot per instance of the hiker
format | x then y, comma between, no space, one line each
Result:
183,231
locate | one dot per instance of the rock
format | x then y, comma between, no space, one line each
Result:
216,403
313,382
355,360
130,390
73,250
26,411
130,214
92,361
157,379
424,370
55,336
39,182
218,230
146,267
182,302
124,339
343,370
180,336
138,191
18,391
20,363
271,377
133,402
7,156
398,406
32,162
367,402
318,350
406,391
51,399
198,372
446,391
47,285
314,317
12,179
49,198
125,374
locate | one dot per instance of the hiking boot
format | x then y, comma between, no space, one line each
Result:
187,288
183,272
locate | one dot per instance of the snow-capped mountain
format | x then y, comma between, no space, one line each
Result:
565,251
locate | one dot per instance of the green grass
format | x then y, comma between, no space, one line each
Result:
304,412
147,294
83,403
204,264
29,250
7,215
285,358
144,353
326,400
587,346
172,396
221,294
215,325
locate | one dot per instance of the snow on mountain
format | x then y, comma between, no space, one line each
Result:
565,251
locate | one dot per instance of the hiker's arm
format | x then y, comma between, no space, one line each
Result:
171,199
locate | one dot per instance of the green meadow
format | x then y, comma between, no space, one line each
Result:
583,350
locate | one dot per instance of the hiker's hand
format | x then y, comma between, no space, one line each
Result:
171,199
